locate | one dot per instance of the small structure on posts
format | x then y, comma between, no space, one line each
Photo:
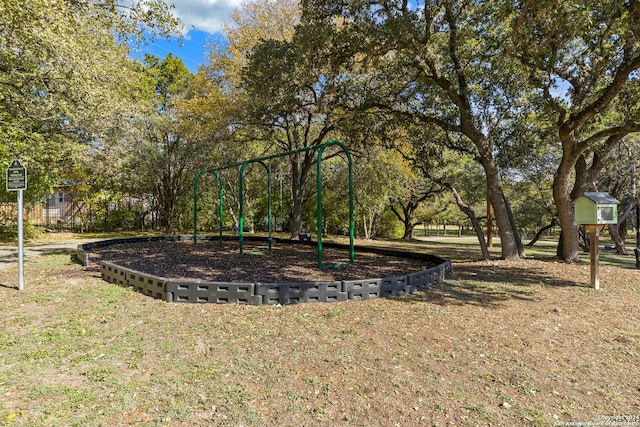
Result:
594,211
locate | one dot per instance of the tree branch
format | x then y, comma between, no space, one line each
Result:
608,95
613,135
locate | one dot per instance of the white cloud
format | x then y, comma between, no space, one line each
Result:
204,15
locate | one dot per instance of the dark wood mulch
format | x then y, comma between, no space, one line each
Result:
285,263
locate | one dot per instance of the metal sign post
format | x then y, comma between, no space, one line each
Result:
17,181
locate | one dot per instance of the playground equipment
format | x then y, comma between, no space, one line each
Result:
261,160
435,270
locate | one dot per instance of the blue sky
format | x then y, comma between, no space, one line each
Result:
203,20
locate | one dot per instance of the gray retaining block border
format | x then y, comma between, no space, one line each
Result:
211,292
300,292
145,283
362,289
265,293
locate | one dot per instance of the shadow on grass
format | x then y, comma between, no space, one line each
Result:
51,251
11,255
514,275
448,293
491,285
481,295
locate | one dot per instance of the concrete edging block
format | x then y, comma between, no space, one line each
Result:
113,273
82,256
362,289
300,292
420,280
211,292
147,284
394,286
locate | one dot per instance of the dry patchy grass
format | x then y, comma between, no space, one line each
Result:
502,343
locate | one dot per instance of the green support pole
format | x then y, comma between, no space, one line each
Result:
319,206
269,212
220,207
241,200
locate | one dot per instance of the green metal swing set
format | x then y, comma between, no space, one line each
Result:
261,160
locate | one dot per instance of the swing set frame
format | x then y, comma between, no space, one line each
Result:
261,161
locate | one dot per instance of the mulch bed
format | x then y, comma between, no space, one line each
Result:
287,262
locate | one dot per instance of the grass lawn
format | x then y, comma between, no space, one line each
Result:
502,343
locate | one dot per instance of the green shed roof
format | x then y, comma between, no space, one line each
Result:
600,198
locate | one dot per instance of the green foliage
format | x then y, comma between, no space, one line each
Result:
582,60
162,160
441,66
289,92
532,205
390,227
492,100
67,83
9,229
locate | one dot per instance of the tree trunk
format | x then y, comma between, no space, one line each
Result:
167,206
296,214
617,235
375,224
618,239
299,174
408,230
507,231
370,221
296,199
540,232
564,193
406,217
365,226
516,233
477,227
236,223
568,244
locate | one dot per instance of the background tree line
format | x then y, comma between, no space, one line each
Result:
446,106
